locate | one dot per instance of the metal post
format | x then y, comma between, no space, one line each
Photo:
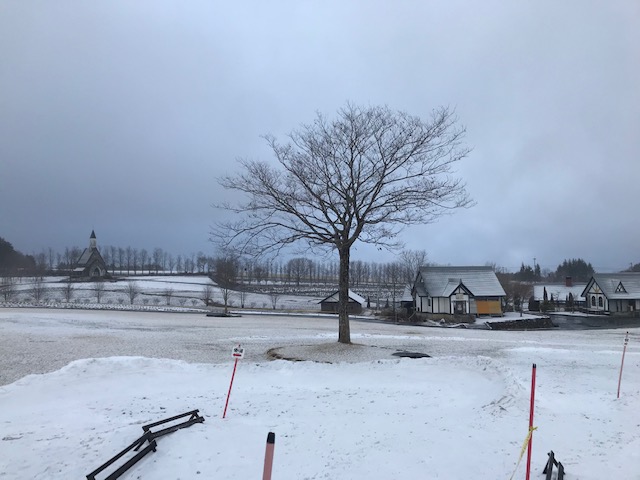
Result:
268,456
235,364
624,349
533,394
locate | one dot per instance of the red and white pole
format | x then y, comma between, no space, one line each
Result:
235,364
268,456
237,353
624,350
533,396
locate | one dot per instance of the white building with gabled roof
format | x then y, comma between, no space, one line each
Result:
458,291
613,292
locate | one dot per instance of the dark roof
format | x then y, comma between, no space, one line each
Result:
84,258
93,234
442,281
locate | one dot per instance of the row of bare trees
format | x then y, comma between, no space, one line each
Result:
294,271
125,260
303,270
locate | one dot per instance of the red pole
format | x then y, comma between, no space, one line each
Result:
533,396
224,414
268,456
624,349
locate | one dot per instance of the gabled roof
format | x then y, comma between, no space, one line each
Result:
617,286
352,296
84,258
406,294
442,281
88,255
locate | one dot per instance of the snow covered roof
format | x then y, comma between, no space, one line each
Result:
442,281
352,296
406,294
84,258
617,286
559,291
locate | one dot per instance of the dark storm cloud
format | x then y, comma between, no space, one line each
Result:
119,116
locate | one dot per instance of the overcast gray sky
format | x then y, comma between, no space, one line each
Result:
119,115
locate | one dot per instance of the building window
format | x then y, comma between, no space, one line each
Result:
600,303
593,300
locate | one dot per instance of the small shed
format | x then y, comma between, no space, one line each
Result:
330,304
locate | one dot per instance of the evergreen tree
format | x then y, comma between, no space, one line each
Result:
576,268
12,260
536,274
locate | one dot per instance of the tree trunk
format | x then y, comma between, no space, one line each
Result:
344,333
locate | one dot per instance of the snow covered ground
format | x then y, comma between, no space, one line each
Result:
184,292
94,377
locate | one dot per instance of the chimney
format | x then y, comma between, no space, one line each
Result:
568,282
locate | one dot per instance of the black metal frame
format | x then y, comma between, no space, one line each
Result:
129,463
194,418
548,468
147,436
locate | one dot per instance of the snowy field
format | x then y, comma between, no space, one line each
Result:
78,385
171,292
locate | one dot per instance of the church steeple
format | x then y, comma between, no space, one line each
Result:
92,241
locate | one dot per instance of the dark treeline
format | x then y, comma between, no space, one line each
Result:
576,268
13,261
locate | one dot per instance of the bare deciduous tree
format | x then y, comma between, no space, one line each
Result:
144,258
135,259
38,289
171,262
121,257
297,268
260,272
207,294
8,287
114,253
129,258
520,292
168,293
132,290
412,260
68,289
41,261
363,177
225,276
395,276
242,294
274,296
158,257
98,289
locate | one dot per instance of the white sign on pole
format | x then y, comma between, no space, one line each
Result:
238,352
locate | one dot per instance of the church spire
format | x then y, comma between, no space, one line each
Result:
92,241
